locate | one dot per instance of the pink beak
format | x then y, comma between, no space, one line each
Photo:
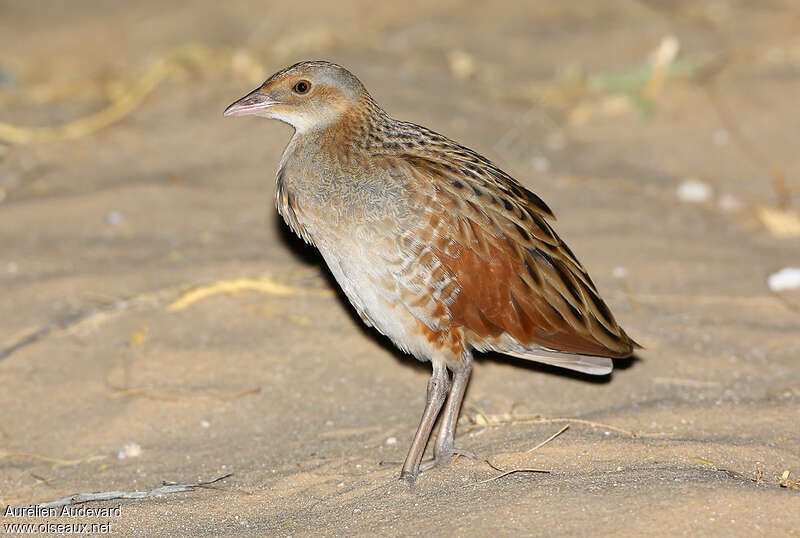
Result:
252,103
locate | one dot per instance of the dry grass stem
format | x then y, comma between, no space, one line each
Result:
80,498
506,472
540,445
57,462
168,66
176,393
505,419
264,285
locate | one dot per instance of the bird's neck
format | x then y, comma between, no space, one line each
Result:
351,129
322,172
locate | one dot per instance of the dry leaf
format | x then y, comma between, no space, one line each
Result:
780,223
462,64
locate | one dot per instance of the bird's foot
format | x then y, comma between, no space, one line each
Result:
409,479
442,459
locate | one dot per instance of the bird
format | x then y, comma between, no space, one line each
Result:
434,245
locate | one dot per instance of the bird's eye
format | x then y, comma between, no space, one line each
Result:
302,87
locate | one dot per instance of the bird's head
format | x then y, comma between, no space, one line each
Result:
308,96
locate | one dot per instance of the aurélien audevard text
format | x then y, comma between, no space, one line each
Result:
62,511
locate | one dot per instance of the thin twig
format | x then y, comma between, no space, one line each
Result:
72,321
507,420
57,462
783,481
187,296
169,66
540,445
41,479
506,472
80,498
175,393
265,284
512,471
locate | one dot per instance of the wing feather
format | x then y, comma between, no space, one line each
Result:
521,290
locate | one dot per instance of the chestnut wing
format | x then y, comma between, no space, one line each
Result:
520,289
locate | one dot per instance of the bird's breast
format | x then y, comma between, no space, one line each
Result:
323,195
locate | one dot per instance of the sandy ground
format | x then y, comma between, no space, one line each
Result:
280,384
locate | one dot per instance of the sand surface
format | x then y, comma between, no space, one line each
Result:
262,370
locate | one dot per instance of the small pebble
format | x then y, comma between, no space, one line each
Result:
12,268
130,450
205,424
721,137
786,279
115,217
619,272
541,163
694,190
556,141
730,202
7,79
391,441
462,64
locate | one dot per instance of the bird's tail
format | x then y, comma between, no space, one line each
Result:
588,364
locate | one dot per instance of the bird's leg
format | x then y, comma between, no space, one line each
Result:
438,386
443,450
